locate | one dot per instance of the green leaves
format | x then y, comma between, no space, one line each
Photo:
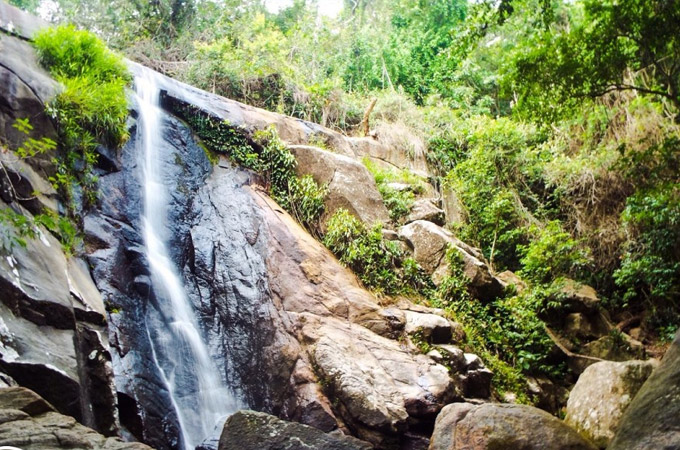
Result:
91,110
610,46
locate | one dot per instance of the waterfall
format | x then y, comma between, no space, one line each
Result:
198,392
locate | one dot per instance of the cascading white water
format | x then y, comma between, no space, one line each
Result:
197,390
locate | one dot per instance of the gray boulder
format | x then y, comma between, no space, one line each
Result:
601,396
651,420
429,243
425,209
350,185
500,426
250,430
430,327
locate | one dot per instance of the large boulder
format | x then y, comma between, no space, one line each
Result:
29,422
350,185
388,156
250,430
601,396
651,419
464,426
429,243
380,386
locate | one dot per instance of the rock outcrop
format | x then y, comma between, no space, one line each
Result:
52,318
464,426
425,209
388,157
601,396
350,185
429,243
250,430
289,329
651,419
29,422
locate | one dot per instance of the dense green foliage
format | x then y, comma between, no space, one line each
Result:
398,200
92,108
380,264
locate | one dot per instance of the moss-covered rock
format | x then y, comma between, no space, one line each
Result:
601,396
651,420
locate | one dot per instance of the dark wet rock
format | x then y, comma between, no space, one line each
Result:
651,419
250,430
25,88
497,426
49,305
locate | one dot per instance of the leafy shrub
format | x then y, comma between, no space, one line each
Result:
92,108
398,201
72,53
306,199
552,253
507,333
364,251
500,183
650,269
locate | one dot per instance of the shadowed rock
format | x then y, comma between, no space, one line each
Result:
651,420
250,430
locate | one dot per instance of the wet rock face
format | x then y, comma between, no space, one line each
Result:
24,89
601,396
286,324
51,321
116,255
250,430
500,426
651,420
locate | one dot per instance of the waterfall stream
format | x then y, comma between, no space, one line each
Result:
198,392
